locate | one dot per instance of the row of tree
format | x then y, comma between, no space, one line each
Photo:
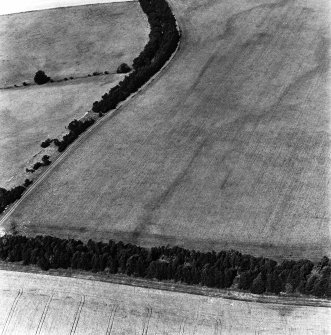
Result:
76,127
163,41
224,269
7,197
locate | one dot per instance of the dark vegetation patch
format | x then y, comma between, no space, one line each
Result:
123,68
7,197
41,78
44,162
224,269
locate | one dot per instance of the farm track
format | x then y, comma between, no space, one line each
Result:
77,315
11,311
111,320
43,316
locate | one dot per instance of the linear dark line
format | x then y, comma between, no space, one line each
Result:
12,310
43,315
111,320
77,315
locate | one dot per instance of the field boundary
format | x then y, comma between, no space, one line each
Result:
118,279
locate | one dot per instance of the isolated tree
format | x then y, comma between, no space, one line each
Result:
41,78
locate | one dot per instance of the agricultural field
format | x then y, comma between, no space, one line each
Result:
74,41
71,42
228,148
42,304
30,115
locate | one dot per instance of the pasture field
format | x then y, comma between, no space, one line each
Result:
84,40
42,304
73,41
229,148
30,115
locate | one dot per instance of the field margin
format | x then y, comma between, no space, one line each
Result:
120,279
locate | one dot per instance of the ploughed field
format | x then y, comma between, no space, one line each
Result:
228,148
42,304
63,42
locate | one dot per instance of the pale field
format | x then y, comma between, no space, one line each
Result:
42,304
29,115
229,148
74,41
18,6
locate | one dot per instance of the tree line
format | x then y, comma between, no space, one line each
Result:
163,40
222,269
7,197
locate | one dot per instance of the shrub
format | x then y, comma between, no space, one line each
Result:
41,78
27,182
123,68
46,143
75,127
46,160
37,165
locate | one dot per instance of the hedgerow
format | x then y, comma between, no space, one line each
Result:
224,269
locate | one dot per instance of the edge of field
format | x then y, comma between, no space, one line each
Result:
64,6
154,284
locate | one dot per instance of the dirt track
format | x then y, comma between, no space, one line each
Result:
229,148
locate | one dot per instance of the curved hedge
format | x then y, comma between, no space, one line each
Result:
224,269
163,41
